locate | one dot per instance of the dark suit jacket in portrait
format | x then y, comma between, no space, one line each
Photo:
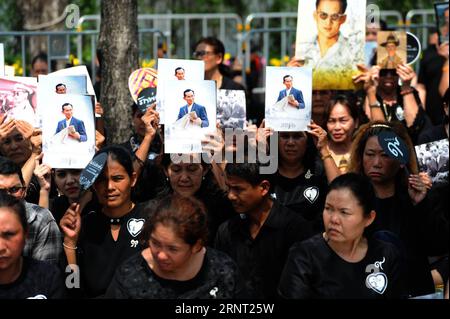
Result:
199,110
77,124
297,94
440,166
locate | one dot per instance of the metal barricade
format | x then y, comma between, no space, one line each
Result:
228,25
426,19
64,37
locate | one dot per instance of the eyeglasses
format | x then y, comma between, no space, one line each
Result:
13,190
202,53
334,17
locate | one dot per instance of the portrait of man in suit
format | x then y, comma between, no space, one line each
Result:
75,127
197,113
295,96
438,162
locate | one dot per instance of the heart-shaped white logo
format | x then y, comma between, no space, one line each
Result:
377,282
311,194
135,226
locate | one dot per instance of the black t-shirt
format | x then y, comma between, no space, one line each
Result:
261,259
152,177
430,74
99,255
434,133
315,271
229,84
411,225
38,280
304,194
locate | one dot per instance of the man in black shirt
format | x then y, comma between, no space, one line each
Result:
259,238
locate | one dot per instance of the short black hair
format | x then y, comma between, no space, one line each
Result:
42,56
249,172
8,167
360,186
287,76
66,104
178,68
343,4
188,90
60,84
16,205
121,155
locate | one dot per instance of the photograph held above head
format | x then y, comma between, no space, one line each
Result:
44,240
259,236
23,277
176,263
110,233
343,262
391,45
212,51
401,197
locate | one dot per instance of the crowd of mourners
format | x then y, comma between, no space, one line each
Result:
339,218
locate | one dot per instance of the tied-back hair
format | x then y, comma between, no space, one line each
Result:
185,215
374,129
349,101
121,155
361,188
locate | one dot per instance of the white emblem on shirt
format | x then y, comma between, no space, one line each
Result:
376,280
134,226
311,194
38,297
400,113
213,292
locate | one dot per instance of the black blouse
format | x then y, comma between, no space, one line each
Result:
315,271
99,255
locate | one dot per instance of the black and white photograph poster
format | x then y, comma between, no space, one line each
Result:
231,108
433,158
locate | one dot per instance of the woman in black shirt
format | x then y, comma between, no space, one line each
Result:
342,262
176,262
104,239
21,277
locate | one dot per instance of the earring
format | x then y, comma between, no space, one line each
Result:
167,179
203,177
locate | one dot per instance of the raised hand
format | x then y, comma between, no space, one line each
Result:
417,190
71,224
43,173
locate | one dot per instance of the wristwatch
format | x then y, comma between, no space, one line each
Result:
375,105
